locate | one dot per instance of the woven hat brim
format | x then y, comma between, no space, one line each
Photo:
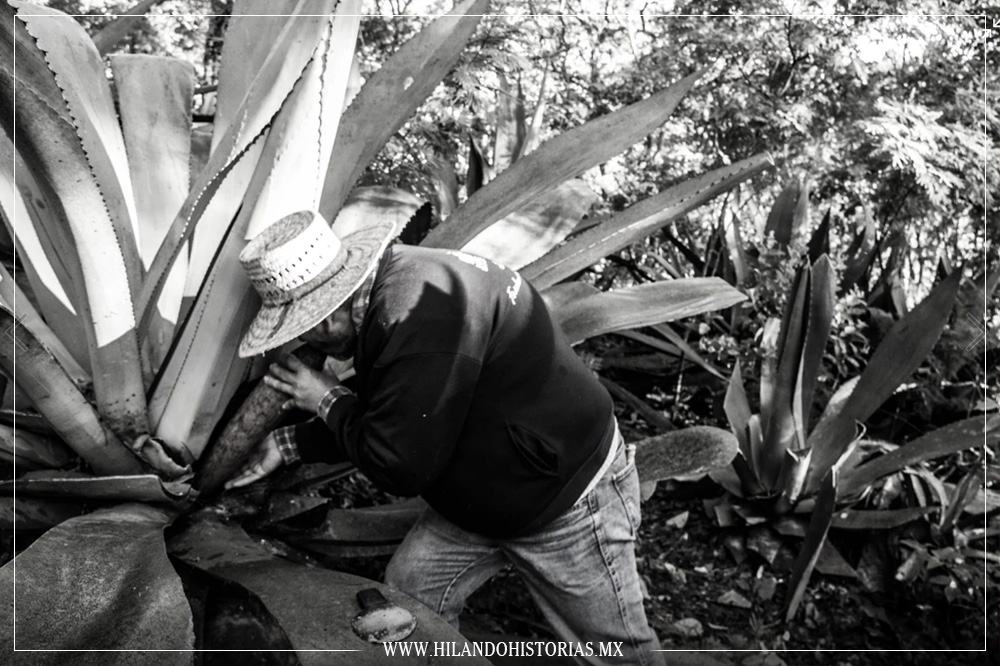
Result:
275,325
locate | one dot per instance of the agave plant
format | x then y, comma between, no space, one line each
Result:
122,333
789,464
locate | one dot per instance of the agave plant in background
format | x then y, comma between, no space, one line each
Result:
123,328
550,240
789,465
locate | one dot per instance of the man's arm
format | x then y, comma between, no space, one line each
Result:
280,446
404,436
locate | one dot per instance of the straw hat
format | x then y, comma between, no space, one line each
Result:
303,272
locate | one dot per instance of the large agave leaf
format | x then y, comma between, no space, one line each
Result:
738,413
97,244
368,203
819,242
291,185
822,296
635,222
313,606
100,582
667,348
27,316
776,408
392,94
18,211
836,404
860,254
902,350
26,448
543,223
819,525
272,81
203,371
734,241
154,98
789,213
643,305
255,27
805,328
960,497
561,295
942,441
79,72
34,513
881,519
382,525
79,487
686,350
557,160
59,400
677,347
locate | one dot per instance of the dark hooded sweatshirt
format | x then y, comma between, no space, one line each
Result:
468,395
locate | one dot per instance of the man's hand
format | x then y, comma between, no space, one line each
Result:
305,386
263,460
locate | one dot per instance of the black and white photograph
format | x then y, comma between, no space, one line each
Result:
550,332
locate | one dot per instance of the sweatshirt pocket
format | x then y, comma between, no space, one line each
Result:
534,450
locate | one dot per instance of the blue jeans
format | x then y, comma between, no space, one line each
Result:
580,569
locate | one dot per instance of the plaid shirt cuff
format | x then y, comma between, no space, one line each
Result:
327,402
285,437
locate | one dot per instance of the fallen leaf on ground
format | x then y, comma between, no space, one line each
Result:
686,628
766,588
733,598
678,521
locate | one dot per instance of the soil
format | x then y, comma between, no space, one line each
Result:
687,570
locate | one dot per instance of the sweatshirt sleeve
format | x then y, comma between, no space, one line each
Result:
403,437
314,443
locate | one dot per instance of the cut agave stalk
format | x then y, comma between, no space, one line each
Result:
258,414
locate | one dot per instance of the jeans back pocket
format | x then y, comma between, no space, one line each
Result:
626,484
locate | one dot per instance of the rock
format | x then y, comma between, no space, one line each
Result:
735,599
762,541
736,545
766,587
678,521
686,628
677,577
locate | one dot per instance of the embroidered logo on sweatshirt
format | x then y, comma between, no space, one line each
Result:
472,260
514,289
